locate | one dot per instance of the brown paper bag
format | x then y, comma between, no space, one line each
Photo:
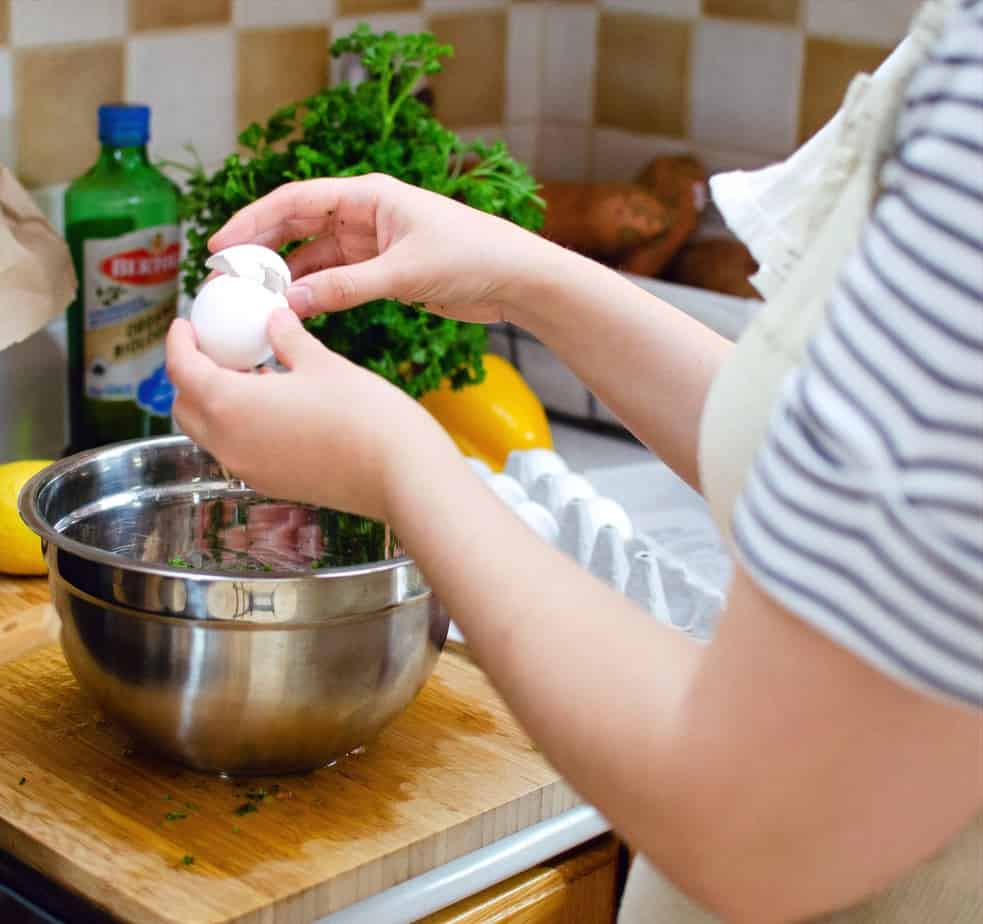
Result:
37,280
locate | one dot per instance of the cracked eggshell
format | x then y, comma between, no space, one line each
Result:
255,262
230,316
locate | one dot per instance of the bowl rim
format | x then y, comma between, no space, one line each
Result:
27,505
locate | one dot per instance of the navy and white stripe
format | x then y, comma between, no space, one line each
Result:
864,510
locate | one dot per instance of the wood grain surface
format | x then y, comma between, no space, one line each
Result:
152,842
576,888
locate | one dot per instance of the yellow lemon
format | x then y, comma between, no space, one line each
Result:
20,549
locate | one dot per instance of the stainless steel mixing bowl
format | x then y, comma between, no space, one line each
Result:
229,632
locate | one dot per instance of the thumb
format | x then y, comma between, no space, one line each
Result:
293,345
342,287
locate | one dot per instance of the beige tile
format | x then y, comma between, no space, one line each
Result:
170,14
276,67
830,65
643,67
471,88
356,7
781,11
4,21
58,92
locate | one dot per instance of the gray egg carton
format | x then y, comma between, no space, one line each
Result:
598,534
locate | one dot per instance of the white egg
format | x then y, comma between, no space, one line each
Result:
507,488
539,519
255,262
230,316
527,465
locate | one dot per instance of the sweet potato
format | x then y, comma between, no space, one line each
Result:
679,183
718,264
602,220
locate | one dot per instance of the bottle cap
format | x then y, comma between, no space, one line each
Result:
124,125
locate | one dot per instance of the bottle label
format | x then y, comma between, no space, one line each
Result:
129,301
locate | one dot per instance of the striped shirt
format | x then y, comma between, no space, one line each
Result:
863,513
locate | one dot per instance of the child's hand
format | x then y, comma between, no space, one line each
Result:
327,432
375,237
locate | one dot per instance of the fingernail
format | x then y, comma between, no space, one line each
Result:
299,298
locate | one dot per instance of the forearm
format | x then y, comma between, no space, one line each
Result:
593,679
649,362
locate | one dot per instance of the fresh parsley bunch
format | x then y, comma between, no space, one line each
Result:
378,125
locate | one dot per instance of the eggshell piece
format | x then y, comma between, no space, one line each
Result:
255,262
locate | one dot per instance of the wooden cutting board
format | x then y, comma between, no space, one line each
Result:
152,842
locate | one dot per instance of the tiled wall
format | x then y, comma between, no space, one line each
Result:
578,88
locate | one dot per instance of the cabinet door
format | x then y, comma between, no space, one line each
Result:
579,887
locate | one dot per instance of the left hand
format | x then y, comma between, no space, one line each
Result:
326,432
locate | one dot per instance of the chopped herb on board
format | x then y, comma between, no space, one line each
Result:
22,781
246,808
178,562
175,816
187,859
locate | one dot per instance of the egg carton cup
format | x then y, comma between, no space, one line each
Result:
567,511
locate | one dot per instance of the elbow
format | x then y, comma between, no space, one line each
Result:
733,860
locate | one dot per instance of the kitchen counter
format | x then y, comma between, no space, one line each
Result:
391,844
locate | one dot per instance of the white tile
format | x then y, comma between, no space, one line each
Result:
564,152
49,22
378,22
620,156
253,13
188,79
7,145
678,9
882,22
524,63
744,88
570,60
454,6
718,160
555,385
51,200
523,142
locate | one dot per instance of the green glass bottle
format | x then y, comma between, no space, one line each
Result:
121,222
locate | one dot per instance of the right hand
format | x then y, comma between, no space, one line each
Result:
376,237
